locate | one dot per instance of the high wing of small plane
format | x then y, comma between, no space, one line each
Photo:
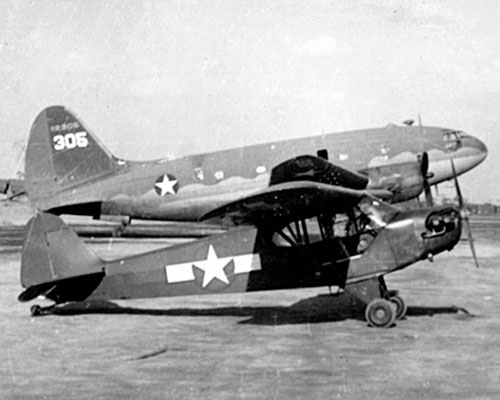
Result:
68,170
293,234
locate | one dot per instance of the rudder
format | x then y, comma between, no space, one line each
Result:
61,153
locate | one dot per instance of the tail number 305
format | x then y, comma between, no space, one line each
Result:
70,141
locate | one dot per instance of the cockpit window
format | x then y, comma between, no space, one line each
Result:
298,233
452,140
345,227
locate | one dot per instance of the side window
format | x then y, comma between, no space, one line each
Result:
343,226
344,234
298,233
317,229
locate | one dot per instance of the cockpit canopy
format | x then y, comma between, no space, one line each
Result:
452,140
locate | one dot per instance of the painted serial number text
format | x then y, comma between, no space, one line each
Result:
70,141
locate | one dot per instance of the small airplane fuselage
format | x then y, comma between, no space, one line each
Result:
352,249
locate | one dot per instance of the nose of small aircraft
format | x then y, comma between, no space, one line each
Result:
443,228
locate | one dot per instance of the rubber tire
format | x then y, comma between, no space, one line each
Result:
400,306
380,313
35,310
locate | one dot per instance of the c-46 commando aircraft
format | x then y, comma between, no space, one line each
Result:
68,171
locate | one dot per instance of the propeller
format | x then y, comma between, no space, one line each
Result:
465,214
424,168
429,201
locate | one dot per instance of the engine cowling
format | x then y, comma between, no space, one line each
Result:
404,181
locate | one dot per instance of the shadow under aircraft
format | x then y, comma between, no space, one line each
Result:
318,309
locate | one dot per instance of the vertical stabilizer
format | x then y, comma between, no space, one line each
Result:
52,252
61,154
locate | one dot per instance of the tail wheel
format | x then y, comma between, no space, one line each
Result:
380,313
400,306
36,310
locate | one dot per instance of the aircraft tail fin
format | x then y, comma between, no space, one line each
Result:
55,261
62,153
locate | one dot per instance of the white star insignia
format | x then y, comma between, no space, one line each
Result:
213,267
166,185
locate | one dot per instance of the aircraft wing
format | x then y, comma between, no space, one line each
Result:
286,201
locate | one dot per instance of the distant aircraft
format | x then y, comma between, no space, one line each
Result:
68,170
12,188
306,234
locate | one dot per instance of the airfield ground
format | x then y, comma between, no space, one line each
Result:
294,344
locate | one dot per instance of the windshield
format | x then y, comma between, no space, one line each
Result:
378,212
452,140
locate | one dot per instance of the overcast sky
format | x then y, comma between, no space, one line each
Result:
167,78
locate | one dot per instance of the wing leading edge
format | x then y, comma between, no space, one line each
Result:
287,201
299,188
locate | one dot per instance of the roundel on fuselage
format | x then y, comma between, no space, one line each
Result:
166,184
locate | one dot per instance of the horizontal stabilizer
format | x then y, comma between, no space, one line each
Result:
71,289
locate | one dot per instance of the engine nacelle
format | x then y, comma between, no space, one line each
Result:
405,181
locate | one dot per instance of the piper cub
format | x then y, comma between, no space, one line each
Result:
304,234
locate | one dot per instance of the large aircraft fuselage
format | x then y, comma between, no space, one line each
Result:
188,187
68,170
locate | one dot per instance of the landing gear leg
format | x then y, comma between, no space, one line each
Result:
382,309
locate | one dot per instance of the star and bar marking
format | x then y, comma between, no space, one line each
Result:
213,268
166,184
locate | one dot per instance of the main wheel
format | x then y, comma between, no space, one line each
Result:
380,313
400,306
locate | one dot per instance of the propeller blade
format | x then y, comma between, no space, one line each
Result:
471,241
429,201
457,186
424,167
465,214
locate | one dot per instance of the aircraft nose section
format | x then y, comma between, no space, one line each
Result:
478,149
443,228
472,153
468,152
